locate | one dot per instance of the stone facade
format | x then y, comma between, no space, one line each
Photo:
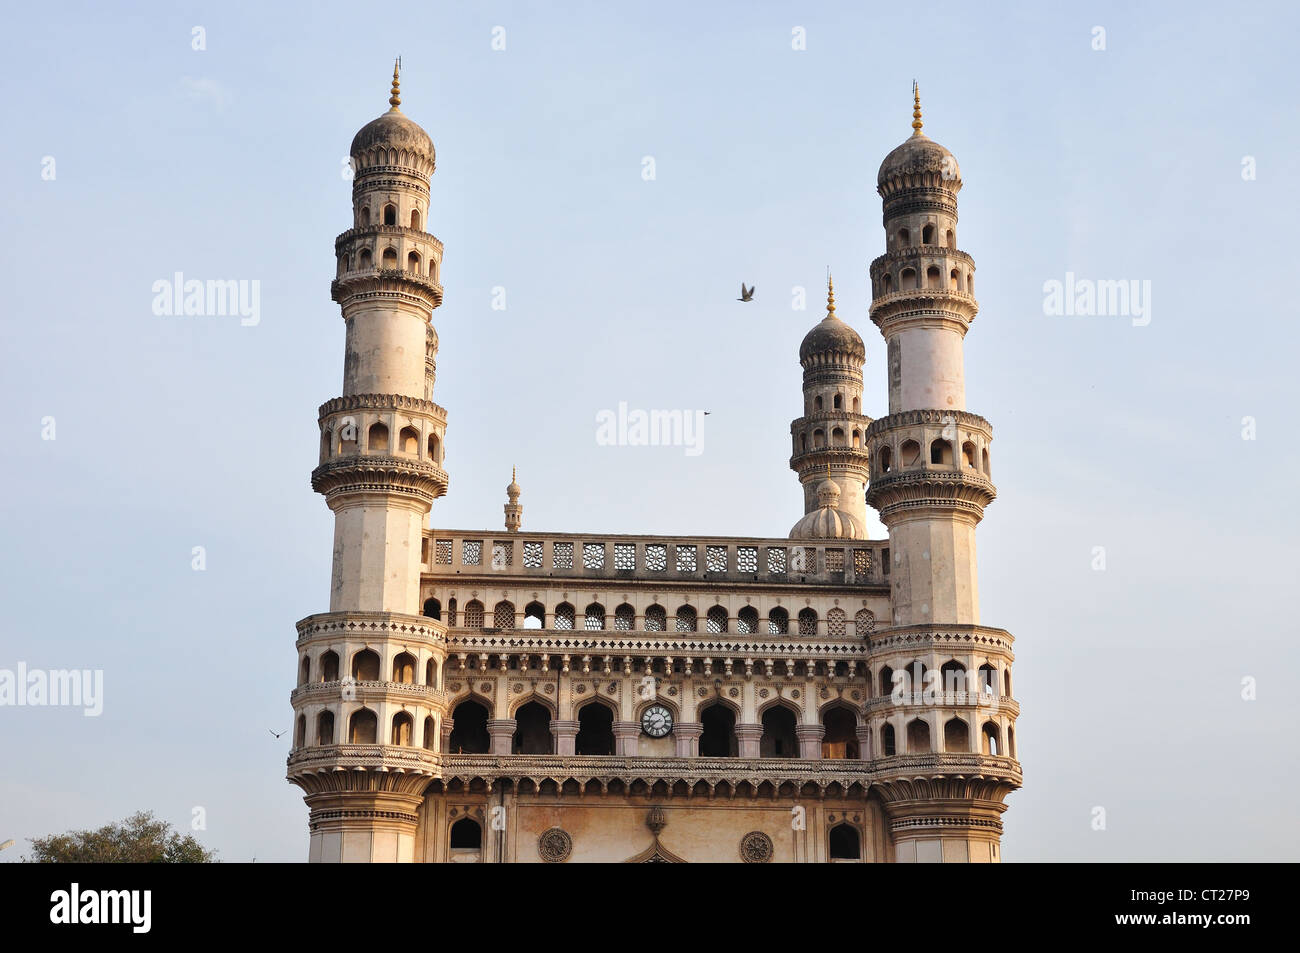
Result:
509,696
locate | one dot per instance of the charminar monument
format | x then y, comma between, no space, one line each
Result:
496,696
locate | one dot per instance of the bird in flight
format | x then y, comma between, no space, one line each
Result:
746,294
277,734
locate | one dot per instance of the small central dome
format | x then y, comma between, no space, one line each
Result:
831,335
393,130
919,155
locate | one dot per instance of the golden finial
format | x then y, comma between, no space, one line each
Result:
395,100
916,109
513,478
830,294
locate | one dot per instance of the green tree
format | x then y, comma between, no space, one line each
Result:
140,839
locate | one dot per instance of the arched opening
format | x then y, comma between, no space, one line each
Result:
909,453
716,620
988,677
864,623
595,730
927,234
404,669
949,239
364,258
887,282
984,461
918,737
534,616
408,439
413,262
857,439
656,618
989,742
954,280
473,614
841,736
403,729
594,618
941,452
469,734
1011,742
325,728
390,214
624,618
430,732
837,437
532,730
886,681
390,258
932,279
808,621
857,405
377,438
817,403
779,738
365,215
718,739
1006,682
503,615
837,624
363,727
956,735
952,675
904,237
415,218
686,619
968,455
434,449
329,667
839,402
304,671
325,444
432,609
451,611
885,459
466,834
300,732
819,439
747,621
803,442
343,265
908,279
778,621
564,616
887,745
845,843
365,666
431,673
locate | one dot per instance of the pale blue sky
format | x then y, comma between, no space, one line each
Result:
176,432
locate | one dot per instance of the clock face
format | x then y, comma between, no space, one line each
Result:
656,721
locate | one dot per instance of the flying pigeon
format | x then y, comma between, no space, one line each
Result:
746,294
277,734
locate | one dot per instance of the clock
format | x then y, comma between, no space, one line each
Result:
656,721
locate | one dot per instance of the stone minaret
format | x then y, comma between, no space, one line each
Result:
380,471
514,511
930,483
828,441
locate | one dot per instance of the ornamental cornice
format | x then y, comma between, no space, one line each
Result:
385,281
385,177
565,642
829,415
921,305
929,486
367,691
912,418
928,634
370,626
379,474
363,231
921,251
398,402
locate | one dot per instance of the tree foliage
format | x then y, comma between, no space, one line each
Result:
140,839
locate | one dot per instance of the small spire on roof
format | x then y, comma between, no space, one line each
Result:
916,109
395,99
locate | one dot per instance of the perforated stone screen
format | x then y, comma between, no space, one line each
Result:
625,555
442,552
747,558
686,556
656,557
862,562
834,560
715,558
471,552
562,556
593,555
776,560
503,554
532,555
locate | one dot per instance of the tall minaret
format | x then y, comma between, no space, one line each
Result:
947,738
930,457
380,469
828,441
514,512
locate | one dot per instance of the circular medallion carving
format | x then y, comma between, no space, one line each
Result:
734,692
795,693
555,845
755,848
485,687
549,689
763,693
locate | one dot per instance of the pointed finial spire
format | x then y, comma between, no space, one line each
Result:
513,477
830,294
395,99
916,109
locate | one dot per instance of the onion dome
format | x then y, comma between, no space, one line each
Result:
919,155
827,521
393,130
513,490
831,335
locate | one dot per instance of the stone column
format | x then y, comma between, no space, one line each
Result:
865,748
625,737
566,735
448,724
502,732
688,739
810,740
749,737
